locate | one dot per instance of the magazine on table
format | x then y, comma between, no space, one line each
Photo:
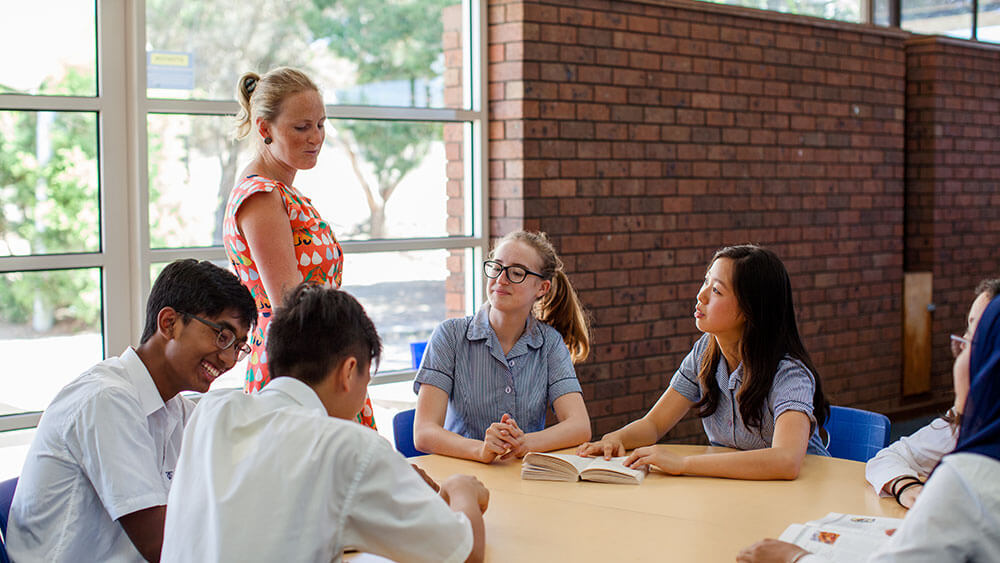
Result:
842,537
571,467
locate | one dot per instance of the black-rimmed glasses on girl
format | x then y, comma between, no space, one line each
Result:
515,273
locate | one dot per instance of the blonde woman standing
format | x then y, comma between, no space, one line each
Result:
272,234
486,381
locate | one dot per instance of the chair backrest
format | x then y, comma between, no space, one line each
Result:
856,434
402,432
6,496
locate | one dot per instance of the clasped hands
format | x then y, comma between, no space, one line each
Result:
504,440
657,456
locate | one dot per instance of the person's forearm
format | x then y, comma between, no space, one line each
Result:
466,504
763,464
638,433
568,433
434,439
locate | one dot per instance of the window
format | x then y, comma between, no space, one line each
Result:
114,162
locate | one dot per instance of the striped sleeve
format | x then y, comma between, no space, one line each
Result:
685,379
438,365
793,389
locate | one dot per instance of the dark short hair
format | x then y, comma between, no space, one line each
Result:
197,288
315,330
990,287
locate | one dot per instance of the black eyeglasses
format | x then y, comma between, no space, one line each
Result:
224,338
515,274
958,344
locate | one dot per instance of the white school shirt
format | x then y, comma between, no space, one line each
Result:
915,455
105,447
956,518
271,477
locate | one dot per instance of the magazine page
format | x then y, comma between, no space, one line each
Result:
838,544
878,526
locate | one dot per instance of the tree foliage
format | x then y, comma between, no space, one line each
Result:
48,186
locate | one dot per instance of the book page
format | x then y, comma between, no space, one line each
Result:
552,467
612,471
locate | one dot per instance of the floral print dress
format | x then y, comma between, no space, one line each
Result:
319,255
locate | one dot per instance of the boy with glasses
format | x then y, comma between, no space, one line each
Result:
285,475
95,481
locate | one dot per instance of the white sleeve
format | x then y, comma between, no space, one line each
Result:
395,514
945,524
110,439
914,455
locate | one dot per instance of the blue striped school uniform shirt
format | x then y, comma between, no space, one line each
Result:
792,389
464,358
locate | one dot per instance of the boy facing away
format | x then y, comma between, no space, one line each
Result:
286,475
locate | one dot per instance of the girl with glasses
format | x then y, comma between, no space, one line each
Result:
749,377
486,381
901,469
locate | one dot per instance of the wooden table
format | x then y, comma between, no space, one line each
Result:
666,518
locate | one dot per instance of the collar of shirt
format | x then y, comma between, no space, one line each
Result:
149,396
297,391
734,379
480,329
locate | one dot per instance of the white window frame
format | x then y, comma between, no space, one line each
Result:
122,107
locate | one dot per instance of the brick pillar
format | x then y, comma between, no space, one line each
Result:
952,178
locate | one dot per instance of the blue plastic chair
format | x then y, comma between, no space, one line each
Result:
402,432
856,434
6,496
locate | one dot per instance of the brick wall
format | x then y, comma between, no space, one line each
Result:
643,136
952,176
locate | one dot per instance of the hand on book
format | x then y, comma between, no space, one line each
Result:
609,446
770,551
656,456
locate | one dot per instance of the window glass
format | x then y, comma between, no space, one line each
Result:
192,164
989,21
403,53
49,48
407,294
50,332
844,10
13,449
374,179
48,183
937,17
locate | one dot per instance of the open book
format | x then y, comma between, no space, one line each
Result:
842,537
571,467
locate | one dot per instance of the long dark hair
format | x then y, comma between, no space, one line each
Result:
764,293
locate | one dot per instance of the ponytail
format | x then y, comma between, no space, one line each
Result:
244,89
561,309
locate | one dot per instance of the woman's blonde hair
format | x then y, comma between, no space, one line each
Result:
560,307
261,96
